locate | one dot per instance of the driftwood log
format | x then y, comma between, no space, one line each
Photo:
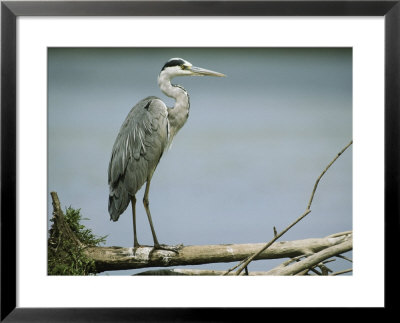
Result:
119,258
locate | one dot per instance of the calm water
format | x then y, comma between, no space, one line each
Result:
245,161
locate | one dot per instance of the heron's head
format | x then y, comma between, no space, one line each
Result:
180,67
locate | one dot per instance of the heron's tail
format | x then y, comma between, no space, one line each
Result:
118,201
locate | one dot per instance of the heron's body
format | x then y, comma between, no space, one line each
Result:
137,150
146,132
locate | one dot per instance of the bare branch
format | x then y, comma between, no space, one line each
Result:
254,256
193,272
344,257
323,173
277,236
339,234
341,272
313,260
59,221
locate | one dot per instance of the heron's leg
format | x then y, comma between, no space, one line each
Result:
135,240
157,246
146,206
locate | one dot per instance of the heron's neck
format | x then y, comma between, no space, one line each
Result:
177,115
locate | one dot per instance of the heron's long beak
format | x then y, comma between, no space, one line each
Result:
203,72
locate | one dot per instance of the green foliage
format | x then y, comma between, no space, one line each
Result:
65,257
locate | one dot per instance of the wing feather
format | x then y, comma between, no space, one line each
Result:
140,143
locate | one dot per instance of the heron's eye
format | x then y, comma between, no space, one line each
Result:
184,67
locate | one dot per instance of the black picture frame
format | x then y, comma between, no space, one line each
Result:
10,10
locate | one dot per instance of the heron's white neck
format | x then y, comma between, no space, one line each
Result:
177,115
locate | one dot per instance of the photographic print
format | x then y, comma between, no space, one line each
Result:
262,179
238,144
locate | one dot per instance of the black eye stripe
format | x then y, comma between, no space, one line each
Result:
174,62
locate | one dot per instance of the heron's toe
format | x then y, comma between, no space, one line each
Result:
168,248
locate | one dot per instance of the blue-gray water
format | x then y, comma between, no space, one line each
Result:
245,161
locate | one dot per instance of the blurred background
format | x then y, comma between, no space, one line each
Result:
245,161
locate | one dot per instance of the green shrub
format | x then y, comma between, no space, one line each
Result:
65,257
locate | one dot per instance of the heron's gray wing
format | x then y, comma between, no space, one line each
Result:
137,150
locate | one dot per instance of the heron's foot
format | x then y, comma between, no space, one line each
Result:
167,248
136,246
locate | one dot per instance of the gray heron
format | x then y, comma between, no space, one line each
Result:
146,133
